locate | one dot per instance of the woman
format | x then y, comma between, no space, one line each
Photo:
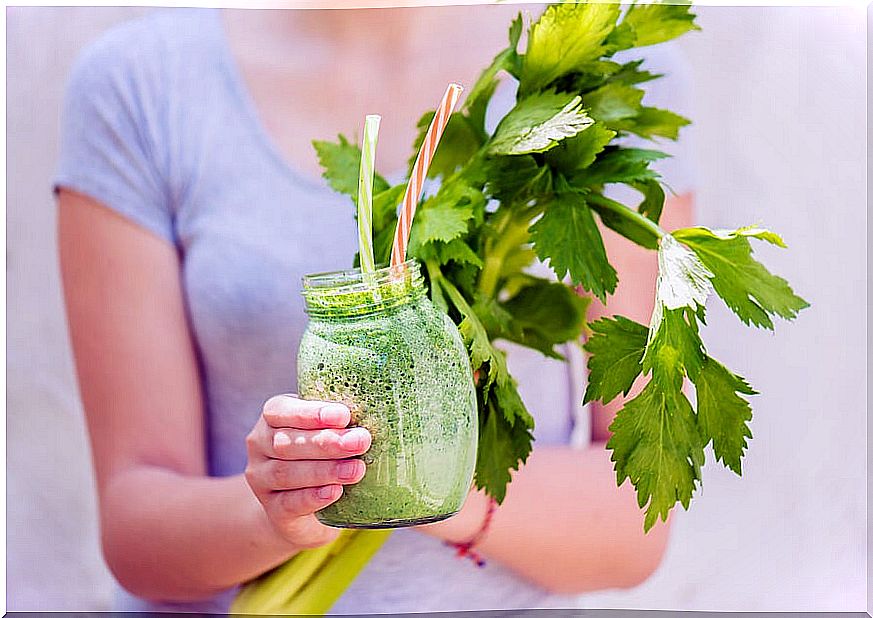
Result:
189,208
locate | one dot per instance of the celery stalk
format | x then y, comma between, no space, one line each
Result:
311,581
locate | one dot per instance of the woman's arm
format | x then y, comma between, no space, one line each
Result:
564,524
170,532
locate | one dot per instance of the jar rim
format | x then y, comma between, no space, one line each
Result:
351,292
354,279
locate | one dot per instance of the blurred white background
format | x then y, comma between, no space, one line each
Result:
779,110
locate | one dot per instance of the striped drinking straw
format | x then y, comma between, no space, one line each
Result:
419,172
365,193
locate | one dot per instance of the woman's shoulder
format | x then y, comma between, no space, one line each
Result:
136,53
131,95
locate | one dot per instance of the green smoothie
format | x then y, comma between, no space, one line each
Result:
380,347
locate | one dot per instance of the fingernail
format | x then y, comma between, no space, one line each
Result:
354,440
326,492
348,470
281,439
334,414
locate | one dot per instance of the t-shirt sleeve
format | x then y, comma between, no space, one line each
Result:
552,392
109,141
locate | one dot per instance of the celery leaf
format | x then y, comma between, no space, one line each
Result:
580,151
614,101
656,22
745,285
616,352
656,445
503,445
653,122
653,198
567,236
565,38
538,123
518,179
439,220
546,314
458,144
341,161
616,164
724,415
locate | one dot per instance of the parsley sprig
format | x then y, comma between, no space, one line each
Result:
534,188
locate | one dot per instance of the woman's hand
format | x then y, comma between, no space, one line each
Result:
300,454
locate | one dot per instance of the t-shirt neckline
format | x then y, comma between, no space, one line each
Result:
250,112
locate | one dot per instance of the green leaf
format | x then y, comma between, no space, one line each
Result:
656,442
342,162
630,73
477,342
580,151
613,102
480,94
622,37
567,236
538,123
442,253
616,348
503,446
656,23
565,38
619,106
545,314
457,251
752,231
745,285
505,438
473,333
653,198
518,180
675,348
438,220
385,206
588,77
653,122
508,399
495,318
515,29
722,414
616,164
656,445
446,215
458,144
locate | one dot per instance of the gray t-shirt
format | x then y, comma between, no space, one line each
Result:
159,127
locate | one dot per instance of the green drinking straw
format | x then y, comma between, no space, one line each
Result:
365,194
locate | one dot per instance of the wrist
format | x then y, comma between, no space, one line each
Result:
465,524
469,547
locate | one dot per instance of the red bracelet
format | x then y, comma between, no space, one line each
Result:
465,548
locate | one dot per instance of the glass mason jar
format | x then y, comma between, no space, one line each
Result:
377,344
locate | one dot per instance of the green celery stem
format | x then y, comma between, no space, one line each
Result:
626,213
